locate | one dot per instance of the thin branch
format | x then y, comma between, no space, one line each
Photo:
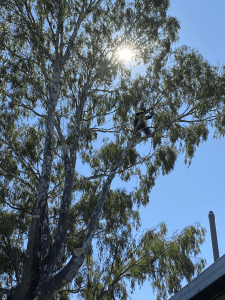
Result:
50,25
9,49
73,291
22,180
98,90
21,159
36,113
117,279
195,121
88,178
105,130
16,102
93,4
110,273
34,38
17,157
100,115
104,174
51,193
183,115
18,208
79,233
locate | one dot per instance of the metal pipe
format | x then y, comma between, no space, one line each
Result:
213,235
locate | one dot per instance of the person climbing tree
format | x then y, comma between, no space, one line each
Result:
140,115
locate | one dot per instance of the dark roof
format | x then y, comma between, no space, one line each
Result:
209,285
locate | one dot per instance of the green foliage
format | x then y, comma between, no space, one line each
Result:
131,158
164,262
166,158
193,137
30,145
110,153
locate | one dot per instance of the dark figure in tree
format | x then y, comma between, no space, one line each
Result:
140,115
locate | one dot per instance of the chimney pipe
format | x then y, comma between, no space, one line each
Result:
213,235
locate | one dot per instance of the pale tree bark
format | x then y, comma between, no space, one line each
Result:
32,260
67,274
34,240
37,270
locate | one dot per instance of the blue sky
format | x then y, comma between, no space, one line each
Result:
186,195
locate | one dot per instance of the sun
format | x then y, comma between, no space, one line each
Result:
125,54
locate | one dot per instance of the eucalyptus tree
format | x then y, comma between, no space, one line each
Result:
59,60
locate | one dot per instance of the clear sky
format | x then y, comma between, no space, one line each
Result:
186,195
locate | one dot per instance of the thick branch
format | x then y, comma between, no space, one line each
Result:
70,161
61,279
45,234
71,269
99,206
31,265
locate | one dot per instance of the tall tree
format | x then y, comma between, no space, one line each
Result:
58,61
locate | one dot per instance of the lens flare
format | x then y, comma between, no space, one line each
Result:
125,54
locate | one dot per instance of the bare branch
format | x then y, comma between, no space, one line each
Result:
73,291
100,114
12,205
197,121
105,130
31,109
104,174
62,139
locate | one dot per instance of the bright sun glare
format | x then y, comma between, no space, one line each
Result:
125,54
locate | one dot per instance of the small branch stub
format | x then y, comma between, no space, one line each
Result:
78,251
35,216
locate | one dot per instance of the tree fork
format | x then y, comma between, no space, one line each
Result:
47,289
